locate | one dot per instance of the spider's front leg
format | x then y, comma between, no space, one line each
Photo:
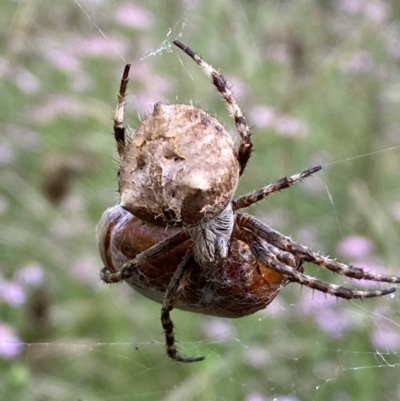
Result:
119,129
245,146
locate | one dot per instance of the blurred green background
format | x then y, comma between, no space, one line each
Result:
319,81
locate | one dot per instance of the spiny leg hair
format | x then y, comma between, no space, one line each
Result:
285,182
219,81
286,244
174,290
265,256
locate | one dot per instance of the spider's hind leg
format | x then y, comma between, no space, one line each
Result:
174,290
219,81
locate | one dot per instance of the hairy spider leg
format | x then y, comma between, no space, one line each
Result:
172,294
219,81
265,256
119,129
285,182
306,254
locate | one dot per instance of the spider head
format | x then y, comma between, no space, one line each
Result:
178,168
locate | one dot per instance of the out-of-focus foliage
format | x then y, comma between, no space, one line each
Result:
319,81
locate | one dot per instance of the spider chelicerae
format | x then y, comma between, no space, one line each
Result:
177,237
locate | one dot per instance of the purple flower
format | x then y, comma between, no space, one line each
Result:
387,340
377,10
357,63
332,320
144,102
391,37
55,106
7,154
81,82
10,343
63,61
85,269
133,15
308,236
26,81
62,57
262,116
283,124
99,46
30,275
12,293
278,53
238,87
355,247
351,6
290,126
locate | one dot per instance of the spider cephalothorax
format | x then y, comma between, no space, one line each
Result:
176,236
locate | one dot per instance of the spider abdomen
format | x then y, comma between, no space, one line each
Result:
178,167
234,287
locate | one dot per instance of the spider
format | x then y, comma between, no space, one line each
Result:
210,259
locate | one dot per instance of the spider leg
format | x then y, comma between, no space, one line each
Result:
119,129
219,81
285,243
285,182
148,256
265,256
174,290
285,257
